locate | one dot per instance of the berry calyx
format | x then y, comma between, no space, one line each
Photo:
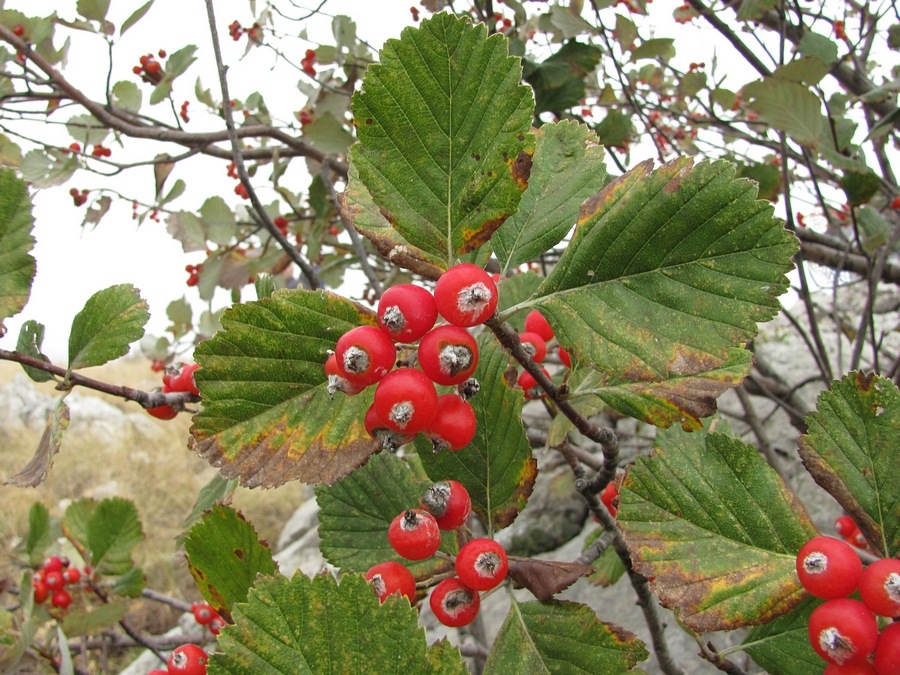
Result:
376,428
535,322
466,295
879,587
406,400
453,426
449,502
391,577
454,604
482,564
337,381
365,354
448,355
406,312
414,534
188,659
828,568
843,631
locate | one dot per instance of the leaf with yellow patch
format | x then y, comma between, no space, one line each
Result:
718,530
267,417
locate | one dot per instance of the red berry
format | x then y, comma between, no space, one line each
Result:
482,564
845,526
392,577
152,67
337,381
61,599
41,592
863,668
879,587
163,412
449,502
895,203
414,534
376,428
18,30
281,223
310,55
887,650
75,147
529,385
203,613
54,580
161,53
534,344
365,354
71,576
466,295
180,377
406,312
828,568
608,496
453,426
157,671
241,191
406,400
843,631
454,604
564,357
217,624
448,355
536,323
188,660
53,564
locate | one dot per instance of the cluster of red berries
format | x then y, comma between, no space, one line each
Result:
281,224
241,191
73,147
406,401
254,32
177,378
100,151
849,532
308,62
51,580
205,615
193,273
842,630
149,68
538,332
188,659
415,534
79,197
184,112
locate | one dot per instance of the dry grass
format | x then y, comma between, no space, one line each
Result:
157,472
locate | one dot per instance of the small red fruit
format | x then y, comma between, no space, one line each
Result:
466,295
887,650
529,385
365,354
564,357
180,377
608,496
895,202
53,564
71,576
376,428
454,604
863,668
535,345
453,426
41,592
448,355
337,381
828,568
203,613
61,599
54,580
217,624
845,526
163,412
414,534
843,631
535,322
18,30
188,660
406,312
392,577
406,400
482,564
449,502
879,587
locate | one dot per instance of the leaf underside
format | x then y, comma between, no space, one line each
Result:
16,242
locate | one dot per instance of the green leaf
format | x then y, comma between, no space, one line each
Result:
10,152
568,168
767,176
655,48
39,535
718,530
94,620
443,126
668,272
559,81
214,492
328,135
561,637
113,531
37,469
626,32
130,584
307,626
175,192
818,46
851,450
355,513
31,337
180,61
755,9
782,645
181,314
790,107
267,417
875,230
608,568
807,70
225,556
75,524
615,130
87,130
516,289
860,186
93,10
109,322
221,225
16,242
127,96
136,16
496,467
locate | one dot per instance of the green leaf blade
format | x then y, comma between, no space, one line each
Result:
782,645
16,262
267,417
109,322
851,450
443,125
717,528
113,531
225,556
